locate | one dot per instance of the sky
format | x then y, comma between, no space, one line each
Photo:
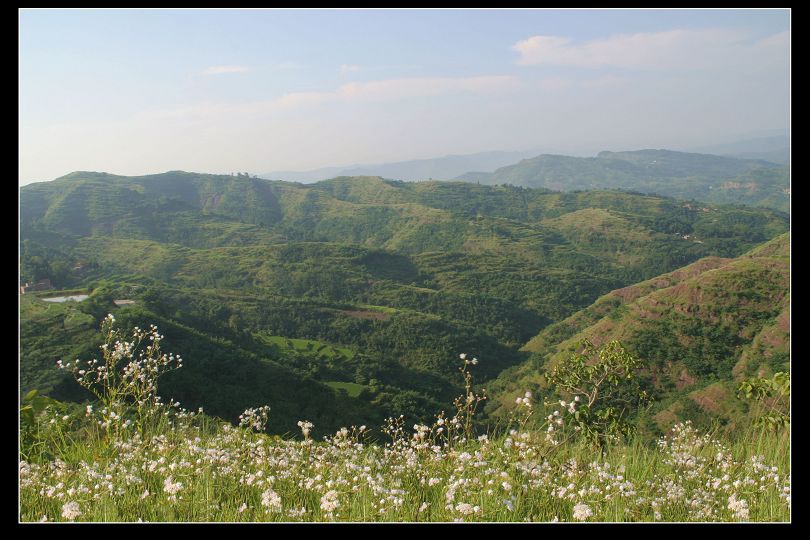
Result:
135,92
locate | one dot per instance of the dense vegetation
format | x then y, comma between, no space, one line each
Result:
699,330
705,177
129,457
346,298
635,350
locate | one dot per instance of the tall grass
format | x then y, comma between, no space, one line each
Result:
189,467
151,461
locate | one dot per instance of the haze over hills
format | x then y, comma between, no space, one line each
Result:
773,148
686,175
771,145
275,290
683,175
441,168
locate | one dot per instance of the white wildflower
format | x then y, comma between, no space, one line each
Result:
306,427
329,501
171,487
466,508
71,510
582,511
738,506
271,499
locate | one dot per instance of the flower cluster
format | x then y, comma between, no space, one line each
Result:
128,373
435,471
255,418
306,428
238,474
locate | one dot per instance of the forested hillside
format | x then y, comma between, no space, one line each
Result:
704,177
698,331
348,298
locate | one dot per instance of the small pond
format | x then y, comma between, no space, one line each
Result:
75,298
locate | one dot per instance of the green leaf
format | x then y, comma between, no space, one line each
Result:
27,414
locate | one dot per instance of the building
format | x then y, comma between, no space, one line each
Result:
41,285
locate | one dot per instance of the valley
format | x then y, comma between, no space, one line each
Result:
347,299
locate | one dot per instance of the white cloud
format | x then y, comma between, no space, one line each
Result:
778,42
607,81
219,70
422,87
345,69
394,89
354,92
655,50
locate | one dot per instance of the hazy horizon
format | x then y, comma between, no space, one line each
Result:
135,92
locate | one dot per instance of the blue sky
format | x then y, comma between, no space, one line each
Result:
144,91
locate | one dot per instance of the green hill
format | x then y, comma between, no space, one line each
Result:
403,275
698,330
704,177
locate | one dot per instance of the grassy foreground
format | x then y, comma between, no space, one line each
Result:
129,457
189,467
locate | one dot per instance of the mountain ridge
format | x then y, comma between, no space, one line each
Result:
405,275
734,312
684,175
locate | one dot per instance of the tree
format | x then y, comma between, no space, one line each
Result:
604,381
774,397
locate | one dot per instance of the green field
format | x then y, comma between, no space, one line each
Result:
353,389
307,345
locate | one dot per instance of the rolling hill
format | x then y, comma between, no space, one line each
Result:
704,177
697,329
440,168
402,275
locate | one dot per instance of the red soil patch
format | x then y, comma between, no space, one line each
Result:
628,294
698,267
710,398
685,293
783,321
773,340
750,186
684,380
647,314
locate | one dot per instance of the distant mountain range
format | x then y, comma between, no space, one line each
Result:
441,168
744,176
349,299
684,175
774,148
